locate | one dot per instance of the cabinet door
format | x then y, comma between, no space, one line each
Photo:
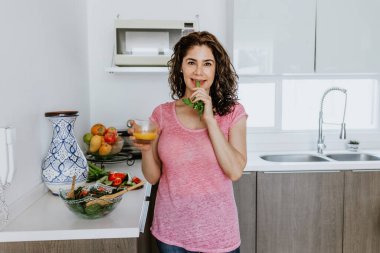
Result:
348,37
70,246
299,212
274,36
362,212
245,196
146,242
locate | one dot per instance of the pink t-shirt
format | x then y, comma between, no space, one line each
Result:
195,206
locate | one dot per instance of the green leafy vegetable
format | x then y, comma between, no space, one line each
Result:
199,106
93,210
95,172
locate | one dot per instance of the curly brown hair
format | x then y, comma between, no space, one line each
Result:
223,91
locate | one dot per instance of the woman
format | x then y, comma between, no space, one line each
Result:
197,154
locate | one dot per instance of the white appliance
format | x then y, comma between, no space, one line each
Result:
148,42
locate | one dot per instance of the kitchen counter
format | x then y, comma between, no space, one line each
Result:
255,163
49,219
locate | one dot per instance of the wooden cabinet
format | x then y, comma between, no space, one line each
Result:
245,197
71,246
147,242
300,212
362,212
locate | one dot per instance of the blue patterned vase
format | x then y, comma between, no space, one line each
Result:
65,158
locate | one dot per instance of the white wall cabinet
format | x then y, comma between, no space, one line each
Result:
306,36
274,36
348,36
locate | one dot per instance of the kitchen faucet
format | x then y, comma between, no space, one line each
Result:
321,138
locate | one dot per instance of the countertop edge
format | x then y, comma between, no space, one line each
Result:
73,234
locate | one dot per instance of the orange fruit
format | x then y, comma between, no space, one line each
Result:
98,129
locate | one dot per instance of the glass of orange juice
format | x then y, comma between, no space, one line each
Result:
144,131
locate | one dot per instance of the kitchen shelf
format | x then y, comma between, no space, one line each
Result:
113,70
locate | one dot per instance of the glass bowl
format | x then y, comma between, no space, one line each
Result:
116,148
78,206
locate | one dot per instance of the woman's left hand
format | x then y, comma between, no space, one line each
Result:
200,94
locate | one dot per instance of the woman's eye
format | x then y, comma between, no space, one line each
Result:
208,64
190,63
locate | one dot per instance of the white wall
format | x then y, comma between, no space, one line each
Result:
43,62
115,98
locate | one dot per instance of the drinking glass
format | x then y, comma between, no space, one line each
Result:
145,131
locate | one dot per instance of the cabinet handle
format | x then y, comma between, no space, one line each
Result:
373,170
301,171
247,172
143,216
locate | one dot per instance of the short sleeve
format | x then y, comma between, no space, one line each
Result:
157,116
237,113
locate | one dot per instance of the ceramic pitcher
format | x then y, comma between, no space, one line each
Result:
65,158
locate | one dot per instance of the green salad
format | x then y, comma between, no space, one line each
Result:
84,194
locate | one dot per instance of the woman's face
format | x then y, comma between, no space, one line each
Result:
198,65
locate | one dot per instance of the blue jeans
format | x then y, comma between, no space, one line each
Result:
166,248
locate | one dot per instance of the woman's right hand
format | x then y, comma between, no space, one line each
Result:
140,146
150,161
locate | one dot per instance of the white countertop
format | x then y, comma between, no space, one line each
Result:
49,218
255,163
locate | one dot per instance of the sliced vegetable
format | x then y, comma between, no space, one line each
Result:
107,182
136,180
113,175
102,179
117,181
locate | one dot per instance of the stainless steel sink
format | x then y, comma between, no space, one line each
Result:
293,158
353,157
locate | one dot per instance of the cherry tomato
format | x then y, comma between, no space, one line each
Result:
136,180
83,193
117,181
111,176
121,175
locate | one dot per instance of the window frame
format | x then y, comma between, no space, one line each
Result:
277,80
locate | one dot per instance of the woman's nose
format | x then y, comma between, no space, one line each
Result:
198,70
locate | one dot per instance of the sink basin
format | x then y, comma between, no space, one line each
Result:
293,158
353,157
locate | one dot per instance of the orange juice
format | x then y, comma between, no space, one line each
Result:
144,137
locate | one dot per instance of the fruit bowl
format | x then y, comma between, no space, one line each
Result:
103,142
84,194
115,149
